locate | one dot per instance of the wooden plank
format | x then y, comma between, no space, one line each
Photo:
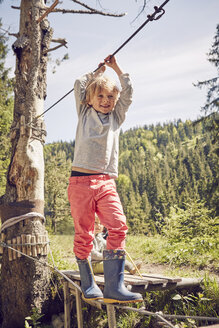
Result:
67,318
128,279
72,289
111,315
72,274
136,283
189,282
157,276
136,280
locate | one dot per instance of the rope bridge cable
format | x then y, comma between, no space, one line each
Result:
158,13
162,316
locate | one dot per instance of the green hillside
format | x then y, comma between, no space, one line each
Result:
160,167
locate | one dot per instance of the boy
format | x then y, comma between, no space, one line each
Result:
101,109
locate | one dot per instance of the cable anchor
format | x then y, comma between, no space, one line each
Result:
157,11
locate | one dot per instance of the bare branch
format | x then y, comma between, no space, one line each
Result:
90,10
16,35
62,43
93,10
48,11
15,7
96,12
6,31
84,5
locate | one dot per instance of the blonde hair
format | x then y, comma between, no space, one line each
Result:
98,84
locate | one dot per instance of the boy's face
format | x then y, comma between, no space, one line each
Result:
104,101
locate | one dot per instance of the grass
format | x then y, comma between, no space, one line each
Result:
62,251
158,250
180,258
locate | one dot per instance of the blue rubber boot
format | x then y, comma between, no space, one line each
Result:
89,287
114,288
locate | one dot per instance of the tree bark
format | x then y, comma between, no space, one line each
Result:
25,282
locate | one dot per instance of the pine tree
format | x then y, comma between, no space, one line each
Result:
6,110
57,169
211,106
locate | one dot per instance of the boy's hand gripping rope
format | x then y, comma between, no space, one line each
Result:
158,13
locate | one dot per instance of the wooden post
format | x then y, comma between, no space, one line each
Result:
19,247
21,224
23,240
38,241
79,308
10,256
33,247
111,316
2,240
28,241
14,253
67,318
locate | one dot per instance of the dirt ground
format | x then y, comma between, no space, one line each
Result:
166,270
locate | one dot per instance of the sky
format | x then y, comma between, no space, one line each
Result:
165,59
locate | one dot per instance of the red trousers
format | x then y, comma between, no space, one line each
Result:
95,194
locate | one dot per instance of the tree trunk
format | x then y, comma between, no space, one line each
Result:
25,282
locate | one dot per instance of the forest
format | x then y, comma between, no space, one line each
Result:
162,168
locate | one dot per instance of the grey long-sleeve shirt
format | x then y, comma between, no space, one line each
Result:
97,136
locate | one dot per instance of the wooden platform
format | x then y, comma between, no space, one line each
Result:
134,283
